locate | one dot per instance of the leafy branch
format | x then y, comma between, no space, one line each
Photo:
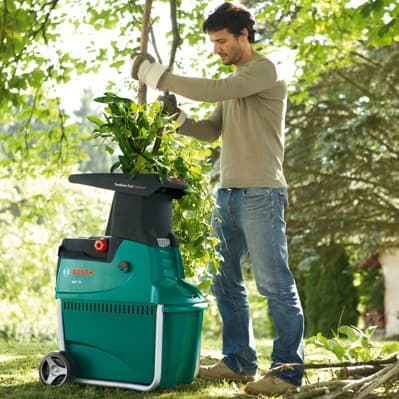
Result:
134,128
355,345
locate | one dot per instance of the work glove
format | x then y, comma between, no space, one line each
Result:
146,70
170,107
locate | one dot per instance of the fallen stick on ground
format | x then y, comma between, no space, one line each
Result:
349,388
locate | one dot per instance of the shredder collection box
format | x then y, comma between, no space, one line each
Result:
129,326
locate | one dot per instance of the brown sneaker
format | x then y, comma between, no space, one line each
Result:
220,371
268,385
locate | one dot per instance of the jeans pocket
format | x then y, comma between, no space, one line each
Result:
284,198
255,192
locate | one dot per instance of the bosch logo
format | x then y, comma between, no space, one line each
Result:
83,272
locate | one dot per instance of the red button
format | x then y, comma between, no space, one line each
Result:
176,180
101,245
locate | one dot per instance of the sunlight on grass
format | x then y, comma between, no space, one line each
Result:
19,375
6,358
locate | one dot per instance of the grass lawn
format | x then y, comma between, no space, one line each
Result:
19,369
19,376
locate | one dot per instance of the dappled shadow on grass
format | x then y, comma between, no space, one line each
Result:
199,389
19,378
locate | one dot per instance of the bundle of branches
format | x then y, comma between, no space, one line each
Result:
360,379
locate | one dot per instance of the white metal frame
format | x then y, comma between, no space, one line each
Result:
119,384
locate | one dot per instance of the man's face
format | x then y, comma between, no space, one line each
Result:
229,47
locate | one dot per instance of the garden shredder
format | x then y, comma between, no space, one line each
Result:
126,316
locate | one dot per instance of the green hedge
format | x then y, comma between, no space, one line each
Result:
330,297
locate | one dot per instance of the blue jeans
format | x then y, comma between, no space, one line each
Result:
252,221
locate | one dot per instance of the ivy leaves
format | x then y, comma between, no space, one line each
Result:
136,129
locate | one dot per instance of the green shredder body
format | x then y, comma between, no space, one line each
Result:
127,317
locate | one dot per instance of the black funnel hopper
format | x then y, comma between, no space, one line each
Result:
141,208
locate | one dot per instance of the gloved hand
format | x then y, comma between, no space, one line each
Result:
171,108
137,60
169,103
146,70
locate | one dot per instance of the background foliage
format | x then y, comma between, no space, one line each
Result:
330,297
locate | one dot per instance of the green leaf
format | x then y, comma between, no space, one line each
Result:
110,150
95,120
115,166
338,350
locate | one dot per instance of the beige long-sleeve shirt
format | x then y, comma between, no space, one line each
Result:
249,117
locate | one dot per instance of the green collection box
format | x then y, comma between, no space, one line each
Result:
136,328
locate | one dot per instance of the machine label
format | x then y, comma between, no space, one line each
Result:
163,242
128,185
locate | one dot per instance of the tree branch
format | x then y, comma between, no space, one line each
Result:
42,27
142,94
177,40
355,84
359,388
175,44
377,379
367,59
14,205
154,45
286,366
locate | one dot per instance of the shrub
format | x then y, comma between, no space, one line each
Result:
330,297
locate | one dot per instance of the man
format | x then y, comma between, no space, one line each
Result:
249,116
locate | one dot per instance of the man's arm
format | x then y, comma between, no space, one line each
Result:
256,77
204,129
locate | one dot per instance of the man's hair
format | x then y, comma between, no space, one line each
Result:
231,17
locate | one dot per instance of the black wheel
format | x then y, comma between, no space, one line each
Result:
55,369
